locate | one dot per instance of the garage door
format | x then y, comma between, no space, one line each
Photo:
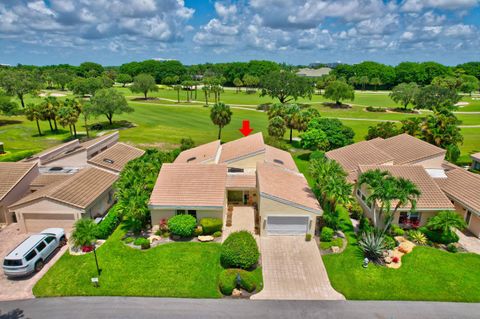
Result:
35,223
287,225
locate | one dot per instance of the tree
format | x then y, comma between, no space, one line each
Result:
286,86
109,102
382,130
20,83
441,130
143,83
469,84
7,106
448,82
86,86
375,82
206,91
404,93
62,78
84,232
49,108
250,81
124,79
86,111
337,133
338,91
363,81
436,98
412,126
314,139
90,69
453,153
238,84
446,222
221,115
33,112
68,114
277,127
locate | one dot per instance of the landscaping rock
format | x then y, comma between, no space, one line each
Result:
335,249
236,293
406,247
387,260
154,238
205,238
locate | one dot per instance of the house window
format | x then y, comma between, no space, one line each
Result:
191,212
110,197
358,192
409,219
468,216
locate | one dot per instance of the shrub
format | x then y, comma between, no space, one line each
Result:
364,226
326,234
452,248
239,250
142,242
440,237
108,224
217,234
390,242
129,240
417,237
395,230
355,210
198,231
186,143
182,225
308,237
211,225
317,155
166,234
372,244
376,109
228,281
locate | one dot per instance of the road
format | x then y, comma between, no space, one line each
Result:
136,308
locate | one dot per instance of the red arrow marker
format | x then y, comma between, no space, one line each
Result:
246,128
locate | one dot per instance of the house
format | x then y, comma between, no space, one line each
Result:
114,158
86,194
462,188
475,161
431,201
15,179
204,180
313,73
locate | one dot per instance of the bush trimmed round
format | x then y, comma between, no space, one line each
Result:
211,225
239,250
228,281
326,234
182,225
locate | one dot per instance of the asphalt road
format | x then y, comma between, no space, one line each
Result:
120,307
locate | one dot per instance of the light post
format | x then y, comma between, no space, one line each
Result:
96,260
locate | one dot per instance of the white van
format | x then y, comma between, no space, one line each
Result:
32,253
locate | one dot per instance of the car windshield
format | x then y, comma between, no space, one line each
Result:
12,262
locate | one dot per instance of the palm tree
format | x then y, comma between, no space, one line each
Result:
206,91
177,88
49,111
375,82
407,193
337,191
68,114
221,115
291,118
446,222
324,172
84,232
33,112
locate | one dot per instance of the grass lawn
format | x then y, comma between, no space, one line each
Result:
170,270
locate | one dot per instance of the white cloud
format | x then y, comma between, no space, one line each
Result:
419,5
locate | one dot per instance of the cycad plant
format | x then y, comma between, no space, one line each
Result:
373,245
84,233
417,237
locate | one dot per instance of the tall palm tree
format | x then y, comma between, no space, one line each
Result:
33,112
407,193
221,115
337,191
206,91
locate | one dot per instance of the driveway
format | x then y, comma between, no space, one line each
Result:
293,269
469,241
16,289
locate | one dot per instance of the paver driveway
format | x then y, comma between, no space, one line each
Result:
20,288
293,269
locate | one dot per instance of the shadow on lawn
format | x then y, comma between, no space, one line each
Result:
9,122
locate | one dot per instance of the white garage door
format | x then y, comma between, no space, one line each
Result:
287,225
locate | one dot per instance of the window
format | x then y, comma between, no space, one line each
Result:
30,255
468,216
110,197
193,213
358,192
41,246
12,262
190,212
49,239
180,212
409,219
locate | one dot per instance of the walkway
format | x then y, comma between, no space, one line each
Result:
243,218
293,270
469,242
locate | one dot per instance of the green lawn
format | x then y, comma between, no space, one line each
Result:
426,273
171,270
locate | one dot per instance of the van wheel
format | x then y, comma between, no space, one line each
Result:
39,265
63,242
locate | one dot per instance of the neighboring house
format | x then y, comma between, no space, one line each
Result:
431,201
313,73
463,189
203,180
115,157
86,194
15,179
475,161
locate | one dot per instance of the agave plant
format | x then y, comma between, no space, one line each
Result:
417,237
373,245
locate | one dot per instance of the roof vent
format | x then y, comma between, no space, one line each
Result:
109,161
191,159
235,170
56,169
278,161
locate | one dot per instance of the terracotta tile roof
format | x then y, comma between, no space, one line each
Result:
93,141
462,186
406,149
242,147
116,157
241,181
11,174
190,185
47,179
431,196
280,157
199,154
361,153
476,156
56,152
286,186
79,190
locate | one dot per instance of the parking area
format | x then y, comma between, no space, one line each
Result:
293,269
21,288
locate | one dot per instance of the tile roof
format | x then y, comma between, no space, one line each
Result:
242,147
116,157
406,149
47,179
361,153
280,157
462,186
431,196
190,185
79,190
199,154
11,174
96,140
56,152
287,186
241,181
476,156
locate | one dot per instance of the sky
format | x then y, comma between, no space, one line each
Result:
112,32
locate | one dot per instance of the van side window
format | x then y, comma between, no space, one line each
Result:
49,239
41,246
30,255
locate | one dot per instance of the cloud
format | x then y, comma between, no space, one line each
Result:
419,5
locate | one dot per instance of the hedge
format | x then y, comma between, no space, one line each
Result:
228,281
108,224
182,225
439,237
239,250
326,234
211,225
